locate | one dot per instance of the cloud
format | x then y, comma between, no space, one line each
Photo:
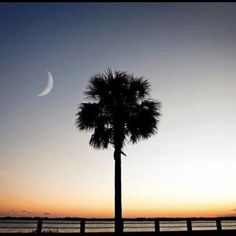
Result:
233,214
47,213
228,215
26,212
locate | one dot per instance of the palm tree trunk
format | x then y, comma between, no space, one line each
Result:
118,205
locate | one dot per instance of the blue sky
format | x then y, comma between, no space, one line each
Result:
186,51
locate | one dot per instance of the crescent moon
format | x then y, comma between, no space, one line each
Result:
48,87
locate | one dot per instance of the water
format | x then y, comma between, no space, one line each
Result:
17,226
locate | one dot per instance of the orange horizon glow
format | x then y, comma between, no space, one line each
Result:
58,209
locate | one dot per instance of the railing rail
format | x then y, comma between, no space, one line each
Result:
129,224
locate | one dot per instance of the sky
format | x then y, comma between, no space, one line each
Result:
186,51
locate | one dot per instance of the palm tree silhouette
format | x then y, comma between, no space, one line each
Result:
120,112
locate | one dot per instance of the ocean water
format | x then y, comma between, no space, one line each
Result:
11,226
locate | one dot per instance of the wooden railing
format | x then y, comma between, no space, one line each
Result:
84,226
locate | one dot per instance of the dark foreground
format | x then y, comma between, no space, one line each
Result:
221,226
183,233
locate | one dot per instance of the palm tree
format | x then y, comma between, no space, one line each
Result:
120,111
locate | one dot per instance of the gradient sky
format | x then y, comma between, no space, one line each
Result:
188,54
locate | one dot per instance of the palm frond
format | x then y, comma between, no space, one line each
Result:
97,87
101,137
87,116
140,87
121,109
142,123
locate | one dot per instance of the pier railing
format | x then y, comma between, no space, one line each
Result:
84,226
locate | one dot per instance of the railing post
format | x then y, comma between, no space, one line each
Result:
39,226
82,226
189,225
218,225
122,225
157,226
